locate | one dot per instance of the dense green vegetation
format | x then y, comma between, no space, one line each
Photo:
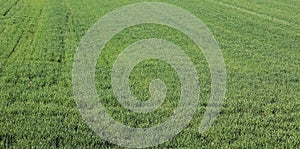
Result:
260,41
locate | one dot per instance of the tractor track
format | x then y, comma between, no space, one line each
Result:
10,8
261,15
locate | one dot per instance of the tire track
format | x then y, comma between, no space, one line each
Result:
91,11
281,51
15,46
35,30
63,31
280,3
4,16
53,30
10,8
11,29
286,3
25,38
4,26
264,16
70,29
52,49
13,49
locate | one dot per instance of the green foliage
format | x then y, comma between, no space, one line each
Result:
260,44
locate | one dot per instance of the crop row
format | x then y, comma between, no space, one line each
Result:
260,45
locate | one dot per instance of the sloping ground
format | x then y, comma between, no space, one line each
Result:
260,41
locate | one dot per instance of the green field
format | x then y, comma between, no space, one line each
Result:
259,39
